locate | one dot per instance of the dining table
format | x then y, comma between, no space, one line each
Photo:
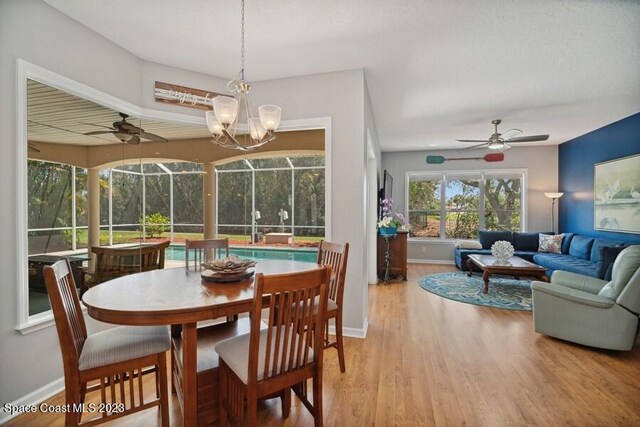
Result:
177,296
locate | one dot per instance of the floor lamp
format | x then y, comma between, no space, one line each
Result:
553,197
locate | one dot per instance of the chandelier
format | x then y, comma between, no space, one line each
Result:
232,122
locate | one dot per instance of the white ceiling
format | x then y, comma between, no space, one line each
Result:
436,70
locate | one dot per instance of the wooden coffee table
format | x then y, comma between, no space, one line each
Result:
516,266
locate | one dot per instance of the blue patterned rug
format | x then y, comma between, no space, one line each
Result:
504,292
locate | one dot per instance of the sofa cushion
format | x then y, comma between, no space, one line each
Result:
606,256
566,263
551,244
467,244
581,246
488,238
599,243
525,241
566,242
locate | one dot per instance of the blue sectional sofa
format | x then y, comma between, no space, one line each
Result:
580,254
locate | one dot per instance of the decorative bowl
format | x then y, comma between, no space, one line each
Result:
229,265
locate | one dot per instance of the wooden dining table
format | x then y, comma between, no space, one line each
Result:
177,296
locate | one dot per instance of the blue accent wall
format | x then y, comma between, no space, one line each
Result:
576,165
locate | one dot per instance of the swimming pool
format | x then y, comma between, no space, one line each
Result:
176,253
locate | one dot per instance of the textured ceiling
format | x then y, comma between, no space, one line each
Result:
436,70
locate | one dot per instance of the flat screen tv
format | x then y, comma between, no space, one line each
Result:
386,192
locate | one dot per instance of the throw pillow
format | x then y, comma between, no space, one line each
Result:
550,243
607,255
468,244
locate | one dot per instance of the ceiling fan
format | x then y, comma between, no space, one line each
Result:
127,132
501,141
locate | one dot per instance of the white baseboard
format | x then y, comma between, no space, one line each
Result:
431,261
34,398
352,332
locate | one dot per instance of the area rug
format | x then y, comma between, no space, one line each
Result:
504,292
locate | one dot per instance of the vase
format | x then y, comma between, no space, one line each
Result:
502,251
388,231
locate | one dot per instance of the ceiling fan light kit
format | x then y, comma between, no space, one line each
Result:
501,141
232,116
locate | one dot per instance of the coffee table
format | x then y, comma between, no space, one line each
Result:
516,267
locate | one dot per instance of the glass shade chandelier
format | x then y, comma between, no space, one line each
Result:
232,121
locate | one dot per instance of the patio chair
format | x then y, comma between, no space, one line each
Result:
115,357
204,250
112,262
267,362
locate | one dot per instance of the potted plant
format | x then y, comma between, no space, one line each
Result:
390,222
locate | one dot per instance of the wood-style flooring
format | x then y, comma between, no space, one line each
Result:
430,361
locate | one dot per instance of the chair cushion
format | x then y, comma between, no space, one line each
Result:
525,241
606,256
235,353
123,343
550,243
624,267
488,238
581,246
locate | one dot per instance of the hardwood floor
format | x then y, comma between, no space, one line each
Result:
431,361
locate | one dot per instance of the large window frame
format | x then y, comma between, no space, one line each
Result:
482,175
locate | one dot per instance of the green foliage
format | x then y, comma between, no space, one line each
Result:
156,224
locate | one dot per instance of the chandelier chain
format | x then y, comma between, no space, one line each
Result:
242,41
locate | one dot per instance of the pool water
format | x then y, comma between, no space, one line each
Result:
176,253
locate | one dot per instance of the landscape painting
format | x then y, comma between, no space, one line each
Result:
617,195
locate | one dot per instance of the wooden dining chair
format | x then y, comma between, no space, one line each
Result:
115,357
270,362
335,255
204,250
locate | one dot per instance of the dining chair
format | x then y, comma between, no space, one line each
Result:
269,362
115,357
204,250
335,255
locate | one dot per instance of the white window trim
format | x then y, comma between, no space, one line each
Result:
26,324
442,176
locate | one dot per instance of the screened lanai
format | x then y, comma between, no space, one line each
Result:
164,200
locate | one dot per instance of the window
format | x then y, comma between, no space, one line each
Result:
455,205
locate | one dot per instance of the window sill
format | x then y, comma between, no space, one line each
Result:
432,241
39,321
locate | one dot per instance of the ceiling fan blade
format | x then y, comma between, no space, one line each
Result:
511,133
31,147
96,125
529,138
152,137
98,132
472,140
472,147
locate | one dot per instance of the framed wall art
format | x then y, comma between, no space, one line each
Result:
616,200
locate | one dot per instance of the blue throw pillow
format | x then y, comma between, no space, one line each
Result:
566,242
581,246
525,241
606,259
488,238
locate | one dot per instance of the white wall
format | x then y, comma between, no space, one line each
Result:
540,162
39,34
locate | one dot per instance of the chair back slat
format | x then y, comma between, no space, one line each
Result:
336,256
65,303
295,327
200,251
118,262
